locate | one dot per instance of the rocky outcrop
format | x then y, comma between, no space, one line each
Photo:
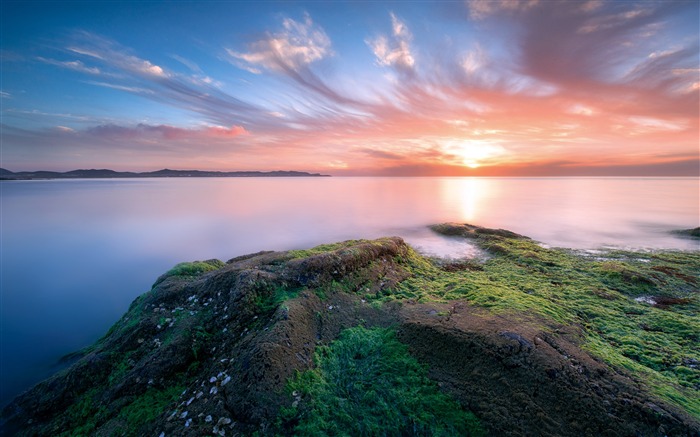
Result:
688,233
211,348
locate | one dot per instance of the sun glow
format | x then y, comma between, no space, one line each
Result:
473,153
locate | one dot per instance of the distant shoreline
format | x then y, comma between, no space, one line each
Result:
7,175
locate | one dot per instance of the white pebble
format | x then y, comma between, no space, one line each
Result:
212,379
226,380
183,415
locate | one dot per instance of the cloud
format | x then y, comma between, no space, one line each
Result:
294,47
226,132
291,53
649,124
560,45
107,51
127,147
196,94
473,60
5,95
187,63
480,9
571,85
167,132
653,71
395,50
130,89
44,114
71,65
381,154
682,167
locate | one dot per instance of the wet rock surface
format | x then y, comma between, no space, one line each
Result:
209,351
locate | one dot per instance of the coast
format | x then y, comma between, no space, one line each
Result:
165,173
528,340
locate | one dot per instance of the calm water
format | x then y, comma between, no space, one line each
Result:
74,254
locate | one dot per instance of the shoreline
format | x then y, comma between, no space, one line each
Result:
535,316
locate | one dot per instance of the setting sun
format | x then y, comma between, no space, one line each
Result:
474,153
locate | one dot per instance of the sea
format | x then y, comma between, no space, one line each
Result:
75,253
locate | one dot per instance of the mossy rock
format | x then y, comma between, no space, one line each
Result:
531,340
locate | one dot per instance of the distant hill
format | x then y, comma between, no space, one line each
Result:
165,173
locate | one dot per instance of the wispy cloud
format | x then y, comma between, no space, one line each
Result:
294,47
187,63
146,78
111,53
36,112
71,65
396,49
130,89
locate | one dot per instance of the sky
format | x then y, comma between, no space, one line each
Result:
452,88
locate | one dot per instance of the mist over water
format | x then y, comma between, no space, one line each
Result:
75,253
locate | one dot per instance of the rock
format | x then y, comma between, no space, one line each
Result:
690,233
548,386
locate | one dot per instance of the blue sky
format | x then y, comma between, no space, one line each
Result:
397,88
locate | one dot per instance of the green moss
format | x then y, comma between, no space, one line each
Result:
86,414
268,297
191,269
649,342
147,407
366,383
324,248
120,368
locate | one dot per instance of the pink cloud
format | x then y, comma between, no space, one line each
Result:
220,131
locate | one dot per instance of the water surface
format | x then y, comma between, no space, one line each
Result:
75,253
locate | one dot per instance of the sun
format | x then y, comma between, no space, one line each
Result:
473,153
